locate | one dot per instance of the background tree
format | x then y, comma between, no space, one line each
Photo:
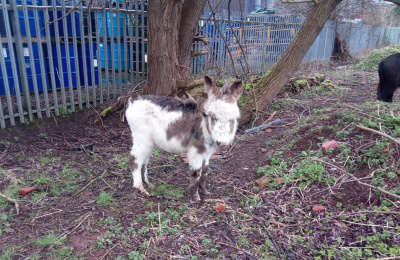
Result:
274,80
172,26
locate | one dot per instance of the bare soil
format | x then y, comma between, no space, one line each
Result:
274,222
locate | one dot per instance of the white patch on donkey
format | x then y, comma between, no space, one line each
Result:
176,127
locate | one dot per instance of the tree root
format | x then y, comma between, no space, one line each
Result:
121,103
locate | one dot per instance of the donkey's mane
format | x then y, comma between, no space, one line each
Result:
172,104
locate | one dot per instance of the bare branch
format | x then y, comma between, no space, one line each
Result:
201,39
358,180
223,38
200,53
11,200
379,133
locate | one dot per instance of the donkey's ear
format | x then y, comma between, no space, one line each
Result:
211,89
236,89
208,84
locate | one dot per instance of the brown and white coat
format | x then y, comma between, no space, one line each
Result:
176,127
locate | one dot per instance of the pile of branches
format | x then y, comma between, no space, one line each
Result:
297,84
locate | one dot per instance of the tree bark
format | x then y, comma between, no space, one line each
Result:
171,29
272,82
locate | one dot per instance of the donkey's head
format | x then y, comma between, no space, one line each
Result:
221,110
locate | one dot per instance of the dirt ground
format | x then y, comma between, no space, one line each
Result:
86,207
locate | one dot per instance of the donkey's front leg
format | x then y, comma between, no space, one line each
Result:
196,161
203,178
195,176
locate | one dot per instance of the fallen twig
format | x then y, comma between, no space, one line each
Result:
379,133
270,118
87,185
358,180
246,252
159,216
11,200
4,153
45,215
344,215
277,246
108,251
80,223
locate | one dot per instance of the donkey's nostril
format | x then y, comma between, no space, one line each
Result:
218,143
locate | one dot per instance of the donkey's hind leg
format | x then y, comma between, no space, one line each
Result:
145,178
138,159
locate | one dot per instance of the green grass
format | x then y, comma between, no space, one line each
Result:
49,239
167,190
105,199
7,254
375,57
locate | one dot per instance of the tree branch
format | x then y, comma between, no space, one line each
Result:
201,39
186,86
11,200
200,53
345,215
358,180
379,133
223,38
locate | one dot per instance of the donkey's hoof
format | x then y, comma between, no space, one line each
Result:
195,198
144,191
150,185
205,192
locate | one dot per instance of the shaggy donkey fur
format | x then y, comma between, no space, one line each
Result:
176,127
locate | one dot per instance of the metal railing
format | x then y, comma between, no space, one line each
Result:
56,58
243,45
252,44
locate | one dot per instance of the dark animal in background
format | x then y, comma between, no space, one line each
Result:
389,77
177,127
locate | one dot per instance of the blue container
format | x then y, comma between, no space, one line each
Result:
142,66
116,65
69,24
57,15
36,58
5,52
88,69
31,19
28,66
2,24
63,72
114,23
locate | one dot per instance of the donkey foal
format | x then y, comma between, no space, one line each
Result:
177,127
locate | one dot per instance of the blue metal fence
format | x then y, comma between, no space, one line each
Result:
59,56
252,44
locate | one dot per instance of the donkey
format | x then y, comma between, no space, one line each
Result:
179,126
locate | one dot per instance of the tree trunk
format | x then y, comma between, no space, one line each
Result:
272,82
171,29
